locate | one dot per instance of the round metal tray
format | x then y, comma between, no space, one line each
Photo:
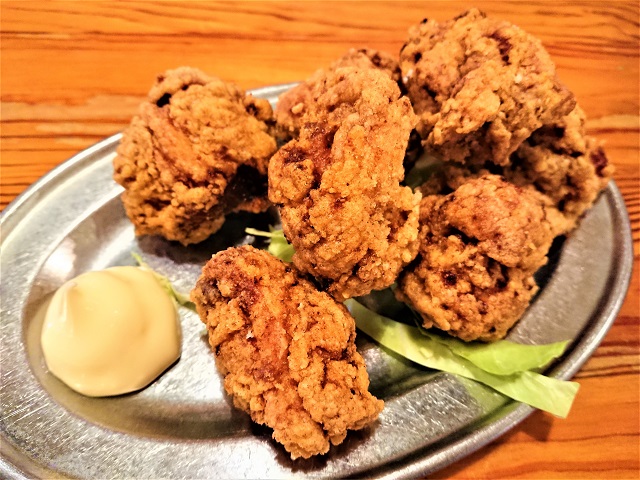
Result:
183,425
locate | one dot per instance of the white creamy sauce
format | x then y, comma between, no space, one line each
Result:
110,332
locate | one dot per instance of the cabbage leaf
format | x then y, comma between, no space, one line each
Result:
425,166
278,245
165,283
546,393
502,357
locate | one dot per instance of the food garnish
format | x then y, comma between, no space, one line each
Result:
477,361
165,283
278,245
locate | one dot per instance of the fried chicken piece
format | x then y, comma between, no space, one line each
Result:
560,163
294,103
480,87
338,189
489,101
480,247
286,350
197,150
565,165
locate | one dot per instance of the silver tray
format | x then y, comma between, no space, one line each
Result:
183,425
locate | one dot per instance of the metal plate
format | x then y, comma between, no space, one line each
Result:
183,425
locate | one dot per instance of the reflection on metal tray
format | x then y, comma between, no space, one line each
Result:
183,425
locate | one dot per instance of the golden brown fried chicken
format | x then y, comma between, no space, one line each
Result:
480,247
480,87
352,225
197,150
286,350
565,165
293,104
489,101
560,163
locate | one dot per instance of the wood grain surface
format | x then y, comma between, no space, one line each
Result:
73,73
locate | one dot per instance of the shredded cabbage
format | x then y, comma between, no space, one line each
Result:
165,283
549,394
502,357
278,245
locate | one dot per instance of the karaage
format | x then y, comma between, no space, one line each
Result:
480,86
338,189
479,249
293,104
197,150
286,350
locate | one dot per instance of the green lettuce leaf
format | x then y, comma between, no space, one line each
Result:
502,357
278,245
548,394
422,170
165,283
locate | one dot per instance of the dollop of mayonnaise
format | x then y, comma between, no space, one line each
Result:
110,332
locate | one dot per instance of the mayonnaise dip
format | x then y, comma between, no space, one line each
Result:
110,332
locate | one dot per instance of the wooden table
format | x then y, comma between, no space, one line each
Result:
73,73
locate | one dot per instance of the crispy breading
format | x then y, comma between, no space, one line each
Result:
286,350
568,168
480,86
293,104
338,189
560,163
197,150
480,247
